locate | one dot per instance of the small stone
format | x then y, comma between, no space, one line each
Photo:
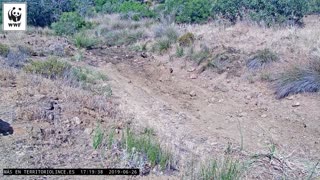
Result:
171,70
193,94
212,100
191,69
144,55
88,131
76,120
263,115
193,76
243,114
297,104
220,100
248,97
129,81
289,97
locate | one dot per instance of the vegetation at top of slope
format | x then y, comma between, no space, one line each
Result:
314,6
134,9
70,23
262,11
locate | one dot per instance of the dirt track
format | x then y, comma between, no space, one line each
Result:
205,116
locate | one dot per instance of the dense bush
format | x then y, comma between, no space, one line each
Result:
266,11
69,23
277,12
43,13
129,7
189,11
83,40
228,9
314,6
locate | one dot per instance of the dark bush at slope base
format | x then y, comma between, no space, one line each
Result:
261,59
299,80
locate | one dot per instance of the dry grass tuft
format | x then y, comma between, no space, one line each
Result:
299,80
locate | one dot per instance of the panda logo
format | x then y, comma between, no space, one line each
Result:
14,14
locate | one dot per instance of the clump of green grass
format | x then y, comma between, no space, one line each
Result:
179,51
97,138
82,40
199,56
146,144
186,39
122,37
104,90
162,45
51,68
299,80
78,56
226,170
4,50
86,76
262,58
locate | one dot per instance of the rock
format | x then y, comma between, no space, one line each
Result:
264,116
191,69
193,76
212,100
243,114
171,70
76,120
144,55
193,94
289,97
297,104
248,97
88,131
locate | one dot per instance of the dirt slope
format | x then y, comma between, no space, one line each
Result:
205,116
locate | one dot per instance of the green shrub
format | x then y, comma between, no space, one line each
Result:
151,149
43,13
179,51
82,40
276,12
186,39
162,45
228,9
51,68
69,23
261,58
86,76
123,37
189,11
97,138
4,50
314,6
132,9
133,6
226,170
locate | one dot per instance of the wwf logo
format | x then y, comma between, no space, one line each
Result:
14,14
